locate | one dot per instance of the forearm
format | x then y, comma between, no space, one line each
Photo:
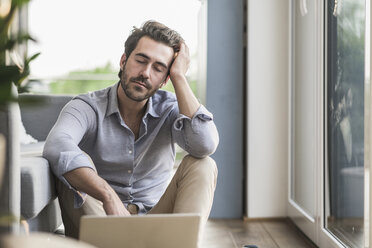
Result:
187,102
86,180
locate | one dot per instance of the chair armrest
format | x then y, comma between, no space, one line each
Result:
37,186
39,112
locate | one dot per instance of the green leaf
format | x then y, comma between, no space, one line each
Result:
6,92
9,73
8,45
32,58
11,42
18,3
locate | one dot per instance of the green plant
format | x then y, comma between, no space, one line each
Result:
11,73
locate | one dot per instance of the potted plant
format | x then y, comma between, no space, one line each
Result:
12,75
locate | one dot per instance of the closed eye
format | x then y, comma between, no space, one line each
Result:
157,68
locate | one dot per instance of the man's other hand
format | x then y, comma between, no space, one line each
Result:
113,206
86,180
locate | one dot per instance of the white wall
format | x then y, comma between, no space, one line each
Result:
268,62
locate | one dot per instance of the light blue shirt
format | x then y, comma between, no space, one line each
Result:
138,170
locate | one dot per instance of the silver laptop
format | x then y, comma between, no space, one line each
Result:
152,231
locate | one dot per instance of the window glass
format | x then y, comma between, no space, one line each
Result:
304,106
345,120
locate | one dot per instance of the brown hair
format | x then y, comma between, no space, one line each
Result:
156,31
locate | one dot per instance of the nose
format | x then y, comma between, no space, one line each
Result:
146,71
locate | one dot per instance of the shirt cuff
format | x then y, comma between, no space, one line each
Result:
69,161
201,115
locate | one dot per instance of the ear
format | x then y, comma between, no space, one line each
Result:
165,81
122,61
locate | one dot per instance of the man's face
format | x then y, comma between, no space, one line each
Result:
146,69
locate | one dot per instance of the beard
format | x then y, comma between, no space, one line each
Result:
132,90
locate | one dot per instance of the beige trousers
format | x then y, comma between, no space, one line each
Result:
190,191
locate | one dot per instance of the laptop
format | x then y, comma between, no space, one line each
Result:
152,231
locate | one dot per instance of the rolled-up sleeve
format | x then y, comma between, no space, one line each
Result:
197,135
61,147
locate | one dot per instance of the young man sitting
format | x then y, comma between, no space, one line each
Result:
113,150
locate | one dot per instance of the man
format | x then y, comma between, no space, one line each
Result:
113,149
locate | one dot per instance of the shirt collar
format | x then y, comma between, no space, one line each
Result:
150,109
112,101
113,107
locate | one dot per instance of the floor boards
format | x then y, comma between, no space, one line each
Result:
234,233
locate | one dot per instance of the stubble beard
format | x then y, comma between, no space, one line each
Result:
125,82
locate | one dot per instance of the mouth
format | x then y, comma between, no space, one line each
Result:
140,83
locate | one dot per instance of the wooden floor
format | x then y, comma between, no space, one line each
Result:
264,234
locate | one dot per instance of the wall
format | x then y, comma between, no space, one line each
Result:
267,149
225,100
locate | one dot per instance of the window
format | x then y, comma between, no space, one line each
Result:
345,120
81,42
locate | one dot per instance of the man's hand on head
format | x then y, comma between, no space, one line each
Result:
180,64
187,102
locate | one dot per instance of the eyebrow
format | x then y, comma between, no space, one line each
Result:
147,57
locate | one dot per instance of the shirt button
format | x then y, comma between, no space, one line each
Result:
129,171
130,151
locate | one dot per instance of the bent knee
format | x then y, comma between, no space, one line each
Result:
205,166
